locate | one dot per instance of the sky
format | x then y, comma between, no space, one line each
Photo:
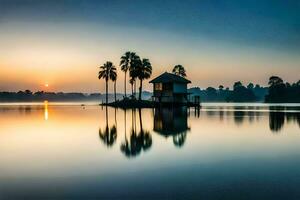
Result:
62,42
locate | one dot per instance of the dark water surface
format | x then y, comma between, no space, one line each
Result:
222,151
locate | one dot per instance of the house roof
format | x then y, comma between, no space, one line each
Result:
169,78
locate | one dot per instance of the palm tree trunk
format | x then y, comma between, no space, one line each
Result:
125,125
125,84
132,90
106,84
116,117
106,116
115,91
140,92
141,123
135,88
134,120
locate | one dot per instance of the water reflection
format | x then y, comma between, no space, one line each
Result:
172,122
109,134
279,115
138,140
217,151
276,121
46,115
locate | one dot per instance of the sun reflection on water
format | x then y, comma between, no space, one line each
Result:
46,110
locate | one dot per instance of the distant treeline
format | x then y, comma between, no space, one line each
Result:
277,92
283,92
239,93
27,95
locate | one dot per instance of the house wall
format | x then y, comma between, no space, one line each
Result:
170,92
179,88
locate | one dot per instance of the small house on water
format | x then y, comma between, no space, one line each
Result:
170,88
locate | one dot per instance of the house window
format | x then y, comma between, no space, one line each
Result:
158,86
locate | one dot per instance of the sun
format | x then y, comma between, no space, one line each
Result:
46,85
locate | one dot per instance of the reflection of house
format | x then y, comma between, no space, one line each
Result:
170,88
172,122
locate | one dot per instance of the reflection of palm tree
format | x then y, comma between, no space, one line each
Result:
109,135
105,73
116,116
132,147
137,142
145,136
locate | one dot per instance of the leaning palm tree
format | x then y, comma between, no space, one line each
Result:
105,72
179,70
144,71
113,77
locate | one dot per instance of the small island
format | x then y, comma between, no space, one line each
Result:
169,89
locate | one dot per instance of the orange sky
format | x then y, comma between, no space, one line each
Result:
67,58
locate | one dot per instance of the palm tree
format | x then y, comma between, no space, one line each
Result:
135,62
131,81
144,71
113,77
179,70
105,72
125,64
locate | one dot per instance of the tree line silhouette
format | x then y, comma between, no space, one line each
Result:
276,92
282,92
239,93
28,95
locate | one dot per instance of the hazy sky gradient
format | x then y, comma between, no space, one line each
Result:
61,42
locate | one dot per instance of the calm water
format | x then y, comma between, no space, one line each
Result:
222,151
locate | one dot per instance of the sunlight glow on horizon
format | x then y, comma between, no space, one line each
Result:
69,54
